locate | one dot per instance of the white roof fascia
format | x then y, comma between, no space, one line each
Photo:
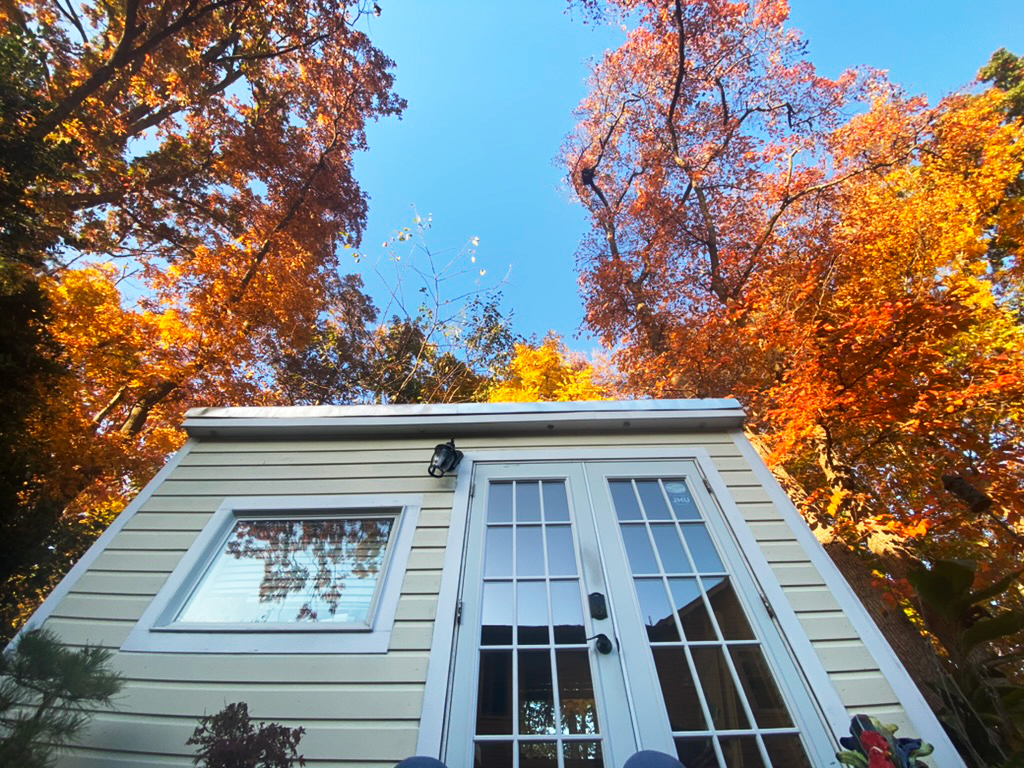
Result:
464,418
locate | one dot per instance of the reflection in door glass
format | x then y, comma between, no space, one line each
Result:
529,551
536,705
686,594
532,612
499,503
536,695
681,699
762,694
702,549
670,549
577,706
527,502
626,506
561,556
697,753
655,610
494,701
582,754
638,548
717,688
556,504
496,614
498,552
567,612
683,505
492,754
741,751
651,496
538,754
786,750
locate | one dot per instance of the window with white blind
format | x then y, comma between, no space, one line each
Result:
264,569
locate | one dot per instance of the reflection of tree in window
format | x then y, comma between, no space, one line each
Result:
313,559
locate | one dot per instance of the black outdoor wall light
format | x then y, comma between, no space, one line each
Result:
446,458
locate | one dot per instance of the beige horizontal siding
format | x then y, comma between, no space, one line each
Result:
359,710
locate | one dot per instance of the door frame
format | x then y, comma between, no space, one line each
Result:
440,671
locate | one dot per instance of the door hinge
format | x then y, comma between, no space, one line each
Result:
458,612
767,606
707,484
472,489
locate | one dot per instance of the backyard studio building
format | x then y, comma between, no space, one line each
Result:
591,580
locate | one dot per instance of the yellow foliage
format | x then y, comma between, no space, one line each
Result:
547,373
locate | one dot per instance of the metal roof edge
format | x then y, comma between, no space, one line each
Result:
462,418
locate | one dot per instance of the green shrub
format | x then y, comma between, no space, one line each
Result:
47,695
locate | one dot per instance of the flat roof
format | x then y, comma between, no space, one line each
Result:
453,419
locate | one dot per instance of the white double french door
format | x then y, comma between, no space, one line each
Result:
606,609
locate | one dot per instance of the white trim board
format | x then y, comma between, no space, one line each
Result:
66,584
444,421
926,723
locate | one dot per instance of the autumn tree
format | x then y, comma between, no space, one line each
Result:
181,183
855,281
440,334
547,372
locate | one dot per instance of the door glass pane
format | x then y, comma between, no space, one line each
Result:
656,611
494,698
561,557
653,500
677,686
741,750
683,505
702,549
492,754
576,693
690,606
499,503
697,752
624,500
556,503
670,549
527,502
731,619
762,694
786,751
582,754
498,552
496,614
567,612
529,551
536,699
638,548
538,754
532,612
719,688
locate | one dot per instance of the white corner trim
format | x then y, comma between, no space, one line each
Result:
439,664
924,720
66,584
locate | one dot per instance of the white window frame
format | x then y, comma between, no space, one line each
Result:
157,631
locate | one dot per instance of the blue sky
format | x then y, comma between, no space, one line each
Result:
492,88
